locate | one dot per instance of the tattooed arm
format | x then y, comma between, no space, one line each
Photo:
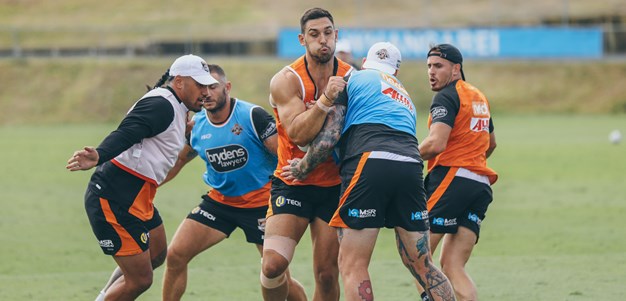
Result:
320,148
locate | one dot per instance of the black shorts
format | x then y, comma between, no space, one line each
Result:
118,232
378,193
305,201
456,197
226,218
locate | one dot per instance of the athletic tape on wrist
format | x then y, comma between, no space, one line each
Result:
322,106
332,101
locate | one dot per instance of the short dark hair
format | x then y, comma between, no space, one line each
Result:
313,14
217,69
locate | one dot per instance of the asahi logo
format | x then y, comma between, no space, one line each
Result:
227,158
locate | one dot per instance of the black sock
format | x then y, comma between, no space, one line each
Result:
425,297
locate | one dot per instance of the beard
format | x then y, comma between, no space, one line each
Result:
220,102
322,58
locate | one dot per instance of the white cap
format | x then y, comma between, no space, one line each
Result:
343,46
383,56
194,66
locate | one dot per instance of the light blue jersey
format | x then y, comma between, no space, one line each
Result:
236,160
375,97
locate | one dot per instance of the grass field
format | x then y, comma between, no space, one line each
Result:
54,91
554,232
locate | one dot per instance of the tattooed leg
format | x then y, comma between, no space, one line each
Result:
438,286
414,251
339,234
407,260
355,253
365,291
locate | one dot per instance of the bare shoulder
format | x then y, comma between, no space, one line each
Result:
284,87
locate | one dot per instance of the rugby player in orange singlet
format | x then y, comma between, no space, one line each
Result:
301,95
458,184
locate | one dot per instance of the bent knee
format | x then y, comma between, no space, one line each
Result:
146,283
462,296
176,258
159,259
465,292
327,277
140,283
453,271
274,265
419,263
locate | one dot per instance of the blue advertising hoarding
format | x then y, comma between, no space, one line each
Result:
522,43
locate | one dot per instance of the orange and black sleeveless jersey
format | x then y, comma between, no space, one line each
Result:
464,108
327,173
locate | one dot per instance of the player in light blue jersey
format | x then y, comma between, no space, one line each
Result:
237,141
372,124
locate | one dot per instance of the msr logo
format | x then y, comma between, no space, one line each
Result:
440,221
420,215
362,213
106,243
474,218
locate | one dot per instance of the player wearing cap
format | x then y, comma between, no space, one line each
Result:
301,95
460,139
373,126
131,163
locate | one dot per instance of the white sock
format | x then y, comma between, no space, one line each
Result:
100,296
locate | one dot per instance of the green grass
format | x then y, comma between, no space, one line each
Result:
555,230
61,91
